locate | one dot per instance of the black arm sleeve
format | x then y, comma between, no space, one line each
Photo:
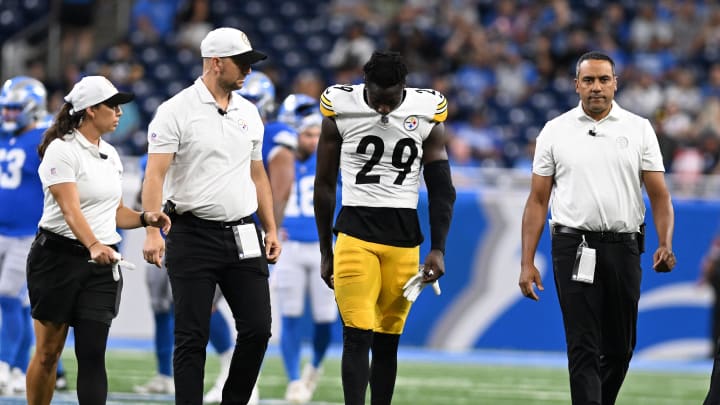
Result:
441,195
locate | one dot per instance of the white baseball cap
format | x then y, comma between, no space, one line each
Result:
93,90
224,42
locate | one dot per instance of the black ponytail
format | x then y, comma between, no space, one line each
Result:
63,124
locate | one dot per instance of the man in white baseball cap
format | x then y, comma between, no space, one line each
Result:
209,138
230,42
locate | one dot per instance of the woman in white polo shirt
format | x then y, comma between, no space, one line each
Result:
70,266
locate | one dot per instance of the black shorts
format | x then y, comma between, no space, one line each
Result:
65,287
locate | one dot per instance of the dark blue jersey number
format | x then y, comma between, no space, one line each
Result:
378,147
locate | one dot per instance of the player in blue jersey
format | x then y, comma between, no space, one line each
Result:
297,273
23,105
279,140
158,285
278,154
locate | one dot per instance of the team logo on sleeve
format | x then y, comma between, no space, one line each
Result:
411,123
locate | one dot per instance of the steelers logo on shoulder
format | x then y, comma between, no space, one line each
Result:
411,123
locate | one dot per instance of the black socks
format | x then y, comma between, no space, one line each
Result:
90,343
357,371
383,370
355,364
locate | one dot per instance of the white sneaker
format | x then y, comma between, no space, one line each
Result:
4,374
61,383
6,379
160,384
225,359
214,396
310,376
17,381
297,392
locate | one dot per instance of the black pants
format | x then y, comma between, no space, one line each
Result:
600,319
199,256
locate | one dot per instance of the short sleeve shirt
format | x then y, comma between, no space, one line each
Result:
383,154
597,179
74,159
210,173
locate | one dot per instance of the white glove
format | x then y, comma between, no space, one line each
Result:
118,262
414,286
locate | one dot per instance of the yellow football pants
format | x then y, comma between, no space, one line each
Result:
368,283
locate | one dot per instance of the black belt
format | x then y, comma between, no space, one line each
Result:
594,235
190,219
53,241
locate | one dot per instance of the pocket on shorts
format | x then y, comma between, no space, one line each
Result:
43,272
41,265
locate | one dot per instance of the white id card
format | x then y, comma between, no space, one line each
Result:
584,270
246,240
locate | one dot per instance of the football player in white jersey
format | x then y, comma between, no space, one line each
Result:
379,134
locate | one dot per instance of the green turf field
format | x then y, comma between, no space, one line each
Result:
433,382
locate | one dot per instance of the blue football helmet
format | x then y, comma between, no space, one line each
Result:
23,101
297,110
259,89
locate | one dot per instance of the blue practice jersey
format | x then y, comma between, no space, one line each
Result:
21,192
299,220
277,134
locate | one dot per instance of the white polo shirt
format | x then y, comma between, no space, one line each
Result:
210,173
597,179
98,182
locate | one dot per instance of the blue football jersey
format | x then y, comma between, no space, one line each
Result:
21,192
299,220
277,134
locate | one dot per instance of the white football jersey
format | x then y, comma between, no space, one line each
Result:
380,156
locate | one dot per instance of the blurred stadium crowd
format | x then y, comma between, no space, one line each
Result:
506,66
